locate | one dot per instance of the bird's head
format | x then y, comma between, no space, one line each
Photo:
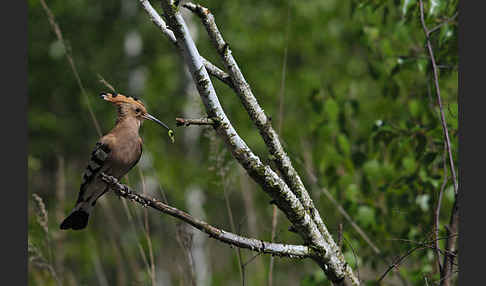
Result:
133,107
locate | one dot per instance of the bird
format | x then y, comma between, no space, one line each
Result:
115,154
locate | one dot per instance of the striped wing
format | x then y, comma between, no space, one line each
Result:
91,188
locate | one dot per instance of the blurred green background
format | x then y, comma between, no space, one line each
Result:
348,85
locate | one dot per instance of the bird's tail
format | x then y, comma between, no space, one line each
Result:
78,219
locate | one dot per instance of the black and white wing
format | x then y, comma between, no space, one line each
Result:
91,189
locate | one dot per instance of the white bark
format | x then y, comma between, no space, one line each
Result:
289,194
279,249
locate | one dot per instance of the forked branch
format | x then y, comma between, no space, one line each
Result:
294,202
447,265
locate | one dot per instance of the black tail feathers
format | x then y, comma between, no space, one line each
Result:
76,220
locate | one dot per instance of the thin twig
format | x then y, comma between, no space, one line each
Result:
446,21
233,229
284,73
274,229
280,123
350,220
442,279
437,211
70,58
427,244
147,231
439,100
454,219
139,245
452,230
340,235
284,250
105,83
399,260
251,259
354,255
313,179
200,121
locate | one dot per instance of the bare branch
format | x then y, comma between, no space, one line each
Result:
325,251
446,21
454,219
427,244
262,122
160,23
350,220
313,179
283,250
105,83
200,121
340,235
439,100
398,261
452,231
274,229
437,211
157,20
218,73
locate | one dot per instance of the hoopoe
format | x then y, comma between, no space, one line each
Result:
115,154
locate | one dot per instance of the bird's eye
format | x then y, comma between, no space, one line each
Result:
137,110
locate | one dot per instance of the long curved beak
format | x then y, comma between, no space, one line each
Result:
150,117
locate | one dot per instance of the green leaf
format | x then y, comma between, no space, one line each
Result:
366,216
449,193
344,145
409,164
451,115
331,109
372,169
414,107
352,193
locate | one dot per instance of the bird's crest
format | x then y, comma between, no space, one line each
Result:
118,98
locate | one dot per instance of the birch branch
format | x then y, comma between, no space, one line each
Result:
252,163
262,122
218,73
279,249
327,255
157,20
160,23
200,121
257,115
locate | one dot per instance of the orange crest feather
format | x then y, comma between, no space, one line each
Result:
118,98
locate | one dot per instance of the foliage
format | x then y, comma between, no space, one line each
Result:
359,110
